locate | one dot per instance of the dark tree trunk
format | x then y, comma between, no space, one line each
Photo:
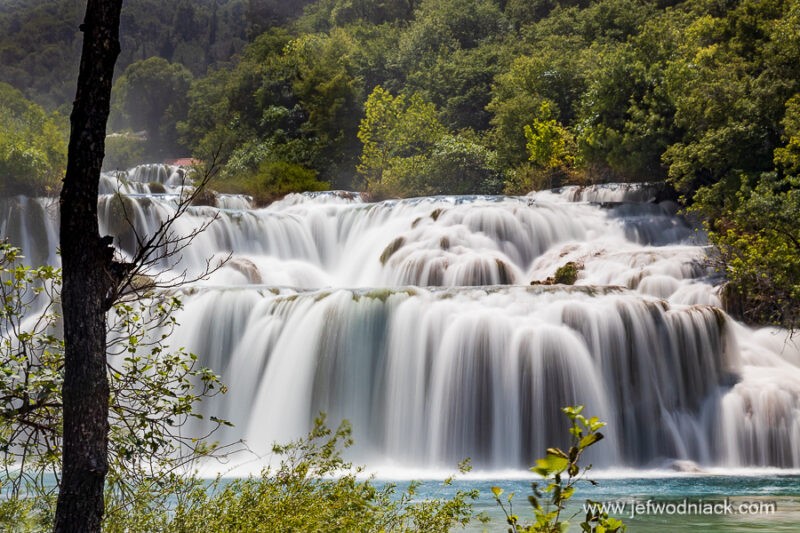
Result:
89,280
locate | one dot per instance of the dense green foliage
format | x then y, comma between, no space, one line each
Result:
40,41
410,97
151,96
33,148
758,239
312,489
695,91
288,100
409,152
272,180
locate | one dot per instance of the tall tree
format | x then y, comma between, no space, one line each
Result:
90,277
151,95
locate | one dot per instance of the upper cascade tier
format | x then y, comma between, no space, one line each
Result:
337,239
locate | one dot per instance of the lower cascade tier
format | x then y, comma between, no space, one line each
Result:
430,377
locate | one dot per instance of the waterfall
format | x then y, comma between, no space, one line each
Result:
429,376
432,324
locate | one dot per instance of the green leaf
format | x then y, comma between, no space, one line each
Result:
589,439
572,411
551,464
594,423
557,452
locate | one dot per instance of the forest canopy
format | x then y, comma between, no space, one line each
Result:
414,97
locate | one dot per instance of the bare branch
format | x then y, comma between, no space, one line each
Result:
162,250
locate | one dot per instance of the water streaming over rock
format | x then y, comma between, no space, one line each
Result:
417,320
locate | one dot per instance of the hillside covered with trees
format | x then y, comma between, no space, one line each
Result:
421,97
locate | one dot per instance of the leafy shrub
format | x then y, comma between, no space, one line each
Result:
561,472
33,148
313,489
271,181
527,177
758,247
154,390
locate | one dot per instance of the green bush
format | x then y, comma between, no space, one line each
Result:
123,151
313,489
758,244
526,178
271,181
33,148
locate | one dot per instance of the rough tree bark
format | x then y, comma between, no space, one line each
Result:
90,276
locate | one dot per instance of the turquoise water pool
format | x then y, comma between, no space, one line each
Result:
743,503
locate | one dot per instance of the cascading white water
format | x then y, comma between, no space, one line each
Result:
144,179
30,224
415,319
428,376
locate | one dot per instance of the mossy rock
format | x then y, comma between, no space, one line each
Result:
205,197
389,251
566,274
504,272
120,214
156,187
